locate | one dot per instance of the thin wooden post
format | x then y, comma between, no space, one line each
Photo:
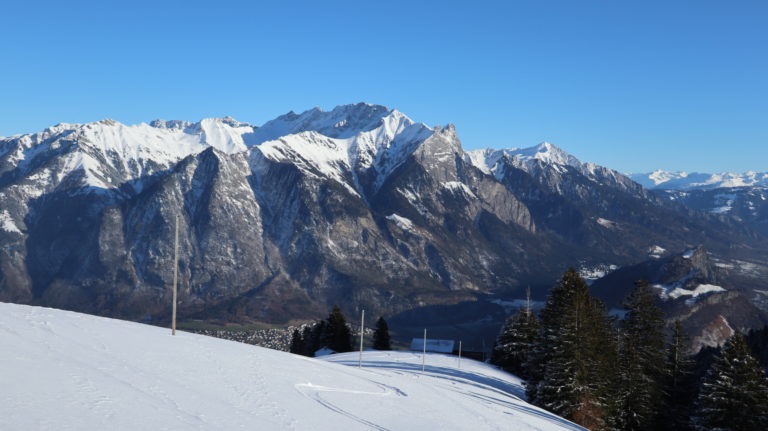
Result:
424,353
459,354
175,276
362,328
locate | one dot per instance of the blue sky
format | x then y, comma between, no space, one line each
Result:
636,86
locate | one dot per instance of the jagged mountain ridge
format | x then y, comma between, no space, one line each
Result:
359,205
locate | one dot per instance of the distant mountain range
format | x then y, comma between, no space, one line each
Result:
699,181
359,206
740,196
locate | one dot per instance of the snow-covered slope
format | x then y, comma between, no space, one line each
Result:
62,370
698,181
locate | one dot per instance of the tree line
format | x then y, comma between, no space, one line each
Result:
606,373
335,334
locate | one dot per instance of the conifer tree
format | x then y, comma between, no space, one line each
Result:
734,392
570,368
339,336
381,340
642,359
515,342
297,345
308,348
680,383
318,338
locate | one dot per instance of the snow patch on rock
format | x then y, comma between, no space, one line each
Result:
675,291
456,186
7,224
401,222
656,251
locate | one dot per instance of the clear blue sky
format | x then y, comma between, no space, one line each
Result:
633,85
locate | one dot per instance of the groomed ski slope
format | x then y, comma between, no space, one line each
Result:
61,370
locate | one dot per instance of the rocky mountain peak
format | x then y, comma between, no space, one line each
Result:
689,268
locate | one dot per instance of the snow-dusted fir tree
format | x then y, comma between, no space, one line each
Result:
572,363
642,360
297,343
515,342
381,340
679,383
339,336
734,392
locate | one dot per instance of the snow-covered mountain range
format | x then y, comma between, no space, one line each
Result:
359,206
699,181
741,196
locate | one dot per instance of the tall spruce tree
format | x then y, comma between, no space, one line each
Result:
515,342
339,336
680,383
319,338
308,346
297,343
734,392
572,362
381,340
642,360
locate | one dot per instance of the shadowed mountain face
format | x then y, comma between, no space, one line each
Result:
359,206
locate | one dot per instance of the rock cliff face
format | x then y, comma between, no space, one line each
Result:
359,206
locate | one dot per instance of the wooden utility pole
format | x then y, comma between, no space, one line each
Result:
362,328
459,354
175,276
424,353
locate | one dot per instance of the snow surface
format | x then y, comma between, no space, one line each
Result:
656,251
456,186
675,291
401,222
724,202
68,371
7,224
609,224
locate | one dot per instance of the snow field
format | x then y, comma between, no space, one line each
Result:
67,371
